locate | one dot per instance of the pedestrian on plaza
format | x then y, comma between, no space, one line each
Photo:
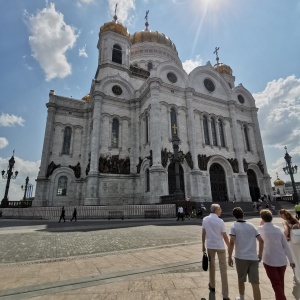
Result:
62,215
180,213
74,216
289,222
275,253
297,210
243,236
213,237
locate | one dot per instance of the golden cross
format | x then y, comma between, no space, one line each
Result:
174,127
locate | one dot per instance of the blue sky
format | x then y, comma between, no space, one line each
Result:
52,45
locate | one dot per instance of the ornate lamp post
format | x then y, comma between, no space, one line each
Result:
178,194
9,175
27,189
289,169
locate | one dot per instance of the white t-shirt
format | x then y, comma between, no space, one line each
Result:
276,247
245,240
214,227
180,209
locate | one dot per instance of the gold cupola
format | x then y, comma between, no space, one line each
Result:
86,98
278,182
223,69
114,26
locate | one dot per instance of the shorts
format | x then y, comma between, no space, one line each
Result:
246,267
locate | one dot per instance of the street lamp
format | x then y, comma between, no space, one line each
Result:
27,189
289,169
9,175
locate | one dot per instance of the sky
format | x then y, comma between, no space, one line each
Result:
52,45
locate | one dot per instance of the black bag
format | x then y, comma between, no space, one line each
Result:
204,262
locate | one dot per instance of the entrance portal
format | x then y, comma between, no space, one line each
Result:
172,179
218,183
253,186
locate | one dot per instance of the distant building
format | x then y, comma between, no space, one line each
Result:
279,187
289,188
114,145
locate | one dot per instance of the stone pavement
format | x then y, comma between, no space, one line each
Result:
163,262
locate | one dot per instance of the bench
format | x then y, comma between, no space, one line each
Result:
116,214
153,214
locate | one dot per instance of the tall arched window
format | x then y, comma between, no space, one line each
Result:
149,66
117,54
221,131
147,180
67,140
246,138
214,132
205,129
62,186
115,134
174,128
147,129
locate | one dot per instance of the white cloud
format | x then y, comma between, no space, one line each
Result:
124,6
3,142
82,51
85,1
25,168
279,112
7,120
50,38
189,65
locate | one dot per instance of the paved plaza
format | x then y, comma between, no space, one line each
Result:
130,259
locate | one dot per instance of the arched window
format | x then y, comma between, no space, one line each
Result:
221,131
67,140
62,186
115,134
150,66
205,129
214,132
117,54
147,129
174,128
246,138
147,180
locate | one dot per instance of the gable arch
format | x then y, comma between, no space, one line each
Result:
249,100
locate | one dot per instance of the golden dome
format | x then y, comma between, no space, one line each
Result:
278,182
152,37
222,68
115,27
86,98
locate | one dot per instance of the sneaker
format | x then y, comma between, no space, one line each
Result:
211,288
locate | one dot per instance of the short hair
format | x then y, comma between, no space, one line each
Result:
238,213
215,207
266,215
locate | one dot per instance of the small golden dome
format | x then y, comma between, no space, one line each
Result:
278,182
115,27
152,37
86,98
222,68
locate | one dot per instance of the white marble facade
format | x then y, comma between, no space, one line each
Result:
125,121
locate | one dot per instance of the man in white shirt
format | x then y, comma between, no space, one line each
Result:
243,236
214,234
180,213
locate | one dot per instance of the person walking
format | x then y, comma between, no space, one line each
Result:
275,253
297,210
289,222
62,215
243,236
180,213
213,237
74,216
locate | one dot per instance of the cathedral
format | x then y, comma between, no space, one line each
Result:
114,146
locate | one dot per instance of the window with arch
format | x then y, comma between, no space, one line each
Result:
147,129
150,66
62,186
67,140
174,128
115,134
214,132
147,180
247,138
205,130
221,132
117,54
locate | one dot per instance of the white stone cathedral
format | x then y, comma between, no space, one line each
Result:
114,146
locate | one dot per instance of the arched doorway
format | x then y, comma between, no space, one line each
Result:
172,179
218,183
253,186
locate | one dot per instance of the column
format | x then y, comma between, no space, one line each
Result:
135,136
210,132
